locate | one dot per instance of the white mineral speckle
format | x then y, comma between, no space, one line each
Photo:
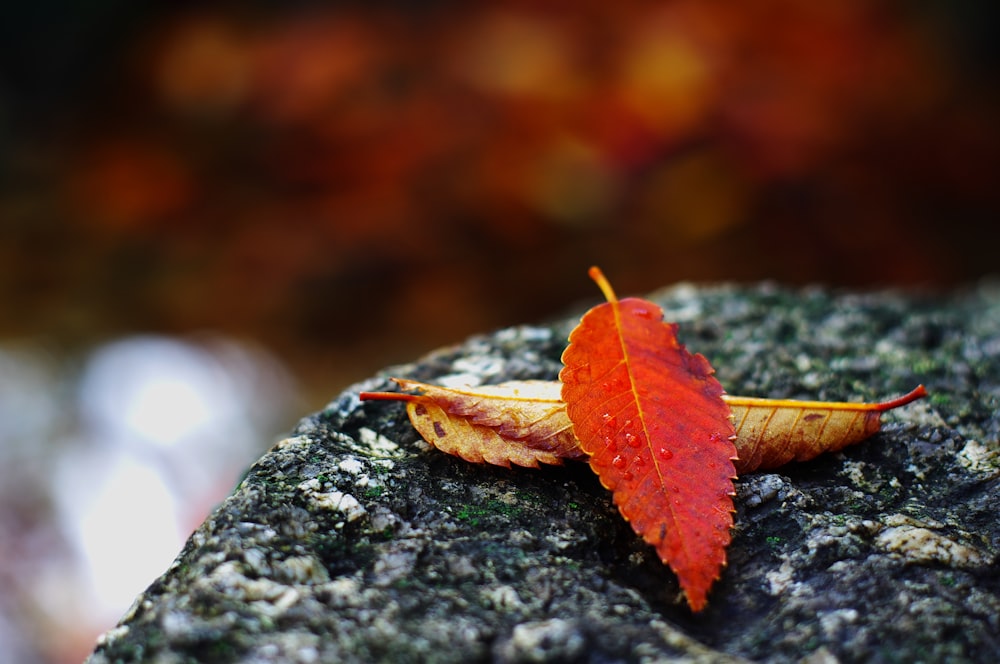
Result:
778,580
523,333
303,570
286,600
461,567
562,539
307,426
393,565
269,651
833,621
922,545
980,458
388,464
504,598
760,489
377,443
294,441
343,591
262,590
460,380
307,655
112,635
351,465
903,520
310,486
332,500
175,623
226,574
803,362
481,366
342,502
546,640
256,560
382,519
821,655
685,303
921,413
855,471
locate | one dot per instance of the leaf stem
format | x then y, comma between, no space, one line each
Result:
918,392
749,402
602,282
387,396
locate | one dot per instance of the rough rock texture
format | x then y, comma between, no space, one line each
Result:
353,541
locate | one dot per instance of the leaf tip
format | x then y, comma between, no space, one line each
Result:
697,603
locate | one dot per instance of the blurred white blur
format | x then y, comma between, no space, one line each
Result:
108,463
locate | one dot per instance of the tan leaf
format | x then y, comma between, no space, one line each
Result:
524,421
519,422
773,432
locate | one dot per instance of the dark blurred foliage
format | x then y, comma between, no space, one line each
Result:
352,183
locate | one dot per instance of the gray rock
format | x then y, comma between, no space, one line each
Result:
352,541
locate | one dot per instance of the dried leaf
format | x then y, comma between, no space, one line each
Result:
519,422
769,432
773,432
652,419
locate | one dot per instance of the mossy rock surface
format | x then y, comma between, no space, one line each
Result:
352,541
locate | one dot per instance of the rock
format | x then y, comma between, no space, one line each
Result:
352,541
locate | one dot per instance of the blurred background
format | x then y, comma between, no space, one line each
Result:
215,216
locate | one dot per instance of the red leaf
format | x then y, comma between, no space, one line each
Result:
657,430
